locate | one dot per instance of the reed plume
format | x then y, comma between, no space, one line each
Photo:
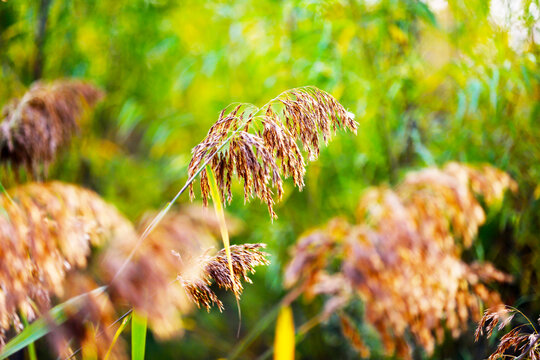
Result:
402,257
260,145
176,261
521,342
47,230
35,127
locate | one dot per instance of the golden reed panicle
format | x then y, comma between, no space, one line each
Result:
47,231
177,263
521,342
402,258
35,127
260,144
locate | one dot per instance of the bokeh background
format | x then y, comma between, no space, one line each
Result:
429,82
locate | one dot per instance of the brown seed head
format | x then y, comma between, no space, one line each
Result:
402,258
259,145
46,231
35,127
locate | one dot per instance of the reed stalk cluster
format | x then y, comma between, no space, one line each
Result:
402,257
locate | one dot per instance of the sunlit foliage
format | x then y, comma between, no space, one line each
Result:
429,82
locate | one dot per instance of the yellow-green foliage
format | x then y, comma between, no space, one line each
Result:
428,84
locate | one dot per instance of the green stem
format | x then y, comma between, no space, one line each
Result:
31,347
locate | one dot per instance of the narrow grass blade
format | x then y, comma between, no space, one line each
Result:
218,207
116,335
284,339
31,347
89,348
138,335
42,326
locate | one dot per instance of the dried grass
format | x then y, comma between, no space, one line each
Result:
521,342
174,267
47,233
402,257
259,145
47,230
35,127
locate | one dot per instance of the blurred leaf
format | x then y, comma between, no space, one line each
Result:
284,340
138,335
43,326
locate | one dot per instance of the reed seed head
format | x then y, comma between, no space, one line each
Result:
46,231
35,127
521,342
260,145
215,269
174,267
402,258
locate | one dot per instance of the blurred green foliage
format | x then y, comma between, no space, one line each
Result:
427,85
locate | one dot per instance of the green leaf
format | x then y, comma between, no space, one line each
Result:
116,335
31,347
138,335
42,326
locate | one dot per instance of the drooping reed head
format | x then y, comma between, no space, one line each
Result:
46,231
35,127
175,266
521,342
260,145
402,257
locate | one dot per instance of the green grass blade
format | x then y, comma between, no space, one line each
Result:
42,326
116,336
138,335
218,207
33,332
31,347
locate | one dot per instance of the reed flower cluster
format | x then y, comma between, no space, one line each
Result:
402,257
49,232
174,267
36,126
46,231
260,145
521,342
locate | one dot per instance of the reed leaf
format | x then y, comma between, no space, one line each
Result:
117,334
284,340
139,323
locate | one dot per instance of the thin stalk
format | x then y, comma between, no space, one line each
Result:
218,207
116,335
31,347
264,322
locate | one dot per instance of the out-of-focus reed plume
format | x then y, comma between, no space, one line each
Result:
402,258
46,231
521,342
35,127
260,144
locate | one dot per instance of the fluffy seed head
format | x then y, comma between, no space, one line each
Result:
260,145
35,127
46,231
402,257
